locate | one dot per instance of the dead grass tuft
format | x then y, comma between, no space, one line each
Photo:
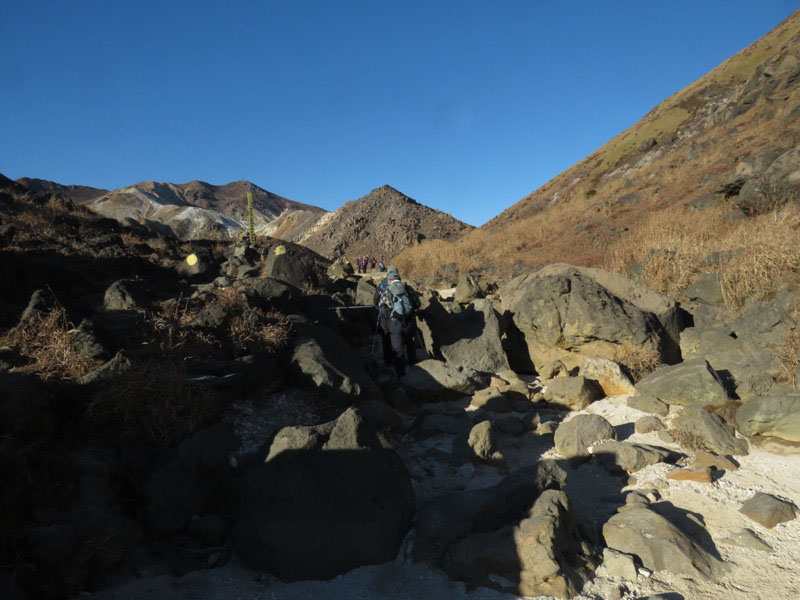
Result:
789,356
753,256
47,341
642,360
257,331
154,399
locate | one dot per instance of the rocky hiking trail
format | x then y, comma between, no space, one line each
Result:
228,429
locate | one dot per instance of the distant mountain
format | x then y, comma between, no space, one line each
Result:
380,224
199,210
76,193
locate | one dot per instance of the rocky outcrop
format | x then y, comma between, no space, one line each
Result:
520,529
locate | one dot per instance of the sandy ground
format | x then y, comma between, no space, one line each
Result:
595,496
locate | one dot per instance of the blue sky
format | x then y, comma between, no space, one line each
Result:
466,106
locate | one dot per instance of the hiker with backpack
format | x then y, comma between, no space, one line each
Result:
397,304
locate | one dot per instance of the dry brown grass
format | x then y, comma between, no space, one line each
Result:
154,399
256,331
674,248
642,360
48,342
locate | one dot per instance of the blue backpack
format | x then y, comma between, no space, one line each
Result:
395,301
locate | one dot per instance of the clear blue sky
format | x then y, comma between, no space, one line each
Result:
466,106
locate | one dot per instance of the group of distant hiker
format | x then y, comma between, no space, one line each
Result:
367,263
397,326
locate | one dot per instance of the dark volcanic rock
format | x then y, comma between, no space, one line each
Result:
320,508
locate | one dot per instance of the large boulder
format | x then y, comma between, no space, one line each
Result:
690,382
293,264
324,507
562,309
470,338
432,380
269,293
322,360
774,416
659,545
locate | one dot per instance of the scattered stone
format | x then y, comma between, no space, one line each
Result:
575,393
690,382
491,399
709,459
195,473
619,564
109,370
698,429
589,311
701,341
648,425
707,290
767,510
467,470
552,369
636,498
467,289
698,474
546,428
626,457
574,437
125,294
665,436
747,538
482,440
648,404
659,545
608,375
